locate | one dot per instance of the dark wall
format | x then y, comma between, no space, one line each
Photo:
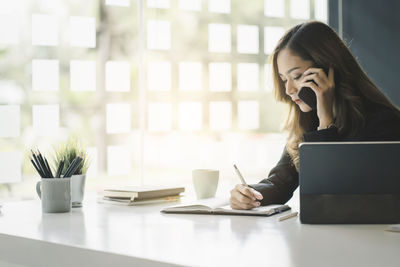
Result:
372,28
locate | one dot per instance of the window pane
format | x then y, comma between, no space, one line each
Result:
194,5
118,118
45,75
219,38
10,166
83,75
321,10
118,160
159,76
158,3
190,76
269,82
220,116
274,8
159,117
300,9
158,35
82,31
9,31
118,76
247,40
46,119
248,115
44,30
271,38
9,121
219,6
220,76
118,2
248,77
190,116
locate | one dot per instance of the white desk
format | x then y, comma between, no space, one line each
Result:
107,235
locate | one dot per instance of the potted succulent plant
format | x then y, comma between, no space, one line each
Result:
65,154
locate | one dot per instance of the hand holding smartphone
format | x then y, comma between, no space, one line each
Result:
308,96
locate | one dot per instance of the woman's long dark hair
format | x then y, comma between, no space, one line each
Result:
354,91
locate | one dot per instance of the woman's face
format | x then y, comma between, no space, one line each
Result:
291,68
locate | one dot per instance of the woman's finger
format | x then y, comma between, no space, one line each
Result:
320,81
312,85
242,198
318,71
331,75
245,190
236,204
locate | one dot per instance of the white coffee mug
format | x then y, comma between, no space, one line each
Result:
205,182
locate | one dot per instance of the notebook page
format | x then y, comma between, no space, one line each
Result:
257,210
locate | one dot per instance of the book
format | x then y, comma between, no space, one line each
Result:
135,202
142,192
221,207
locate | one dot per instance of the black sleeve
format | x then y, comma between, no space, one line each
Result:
325,135
282,180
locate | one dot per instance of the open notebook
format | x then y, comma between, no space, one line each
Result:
221,206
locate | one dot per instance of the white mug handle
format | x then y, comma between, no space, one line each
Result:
38,191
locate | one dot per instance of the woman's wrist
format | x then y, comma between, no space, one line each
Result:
326,125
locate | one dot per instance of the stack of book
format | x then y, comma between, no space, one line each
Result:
137,195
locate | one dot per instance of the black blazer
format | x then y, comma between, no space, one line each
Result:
382,124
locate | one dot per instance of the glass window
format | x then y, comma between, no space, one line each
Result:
159,117
10,119
44,30
190,76
83,75
219,6
274,8
46,119
118,118
272,35
220,116
45,75
193,5
118,160
220,76
300,9
190,116
118,76
82,31
248,118
247,40
158,3
248,77
9,31
164,87
11,166
219,38
158,34
159,76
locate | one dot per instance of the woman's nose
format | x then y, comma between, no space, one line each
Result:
290,88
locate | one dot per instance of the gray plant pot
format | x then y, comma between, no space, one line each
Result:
77,189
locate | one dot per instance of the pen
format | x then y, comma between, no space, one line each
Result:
288,216
240,175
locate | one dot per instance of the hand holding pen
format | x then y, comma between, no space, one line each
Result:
243,196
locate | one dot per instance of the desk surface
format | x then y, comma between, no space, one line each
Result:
102,234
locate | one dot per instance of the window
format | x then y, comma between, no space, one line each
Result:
188,87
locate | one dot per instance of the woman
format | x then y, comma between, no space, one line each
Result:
350,107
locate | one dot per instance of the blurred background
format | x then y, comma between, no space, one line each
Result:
153,89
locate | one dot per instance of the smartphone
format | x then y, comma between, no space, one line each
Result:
308,96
